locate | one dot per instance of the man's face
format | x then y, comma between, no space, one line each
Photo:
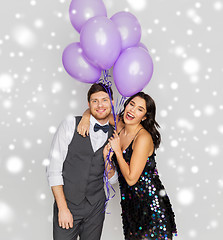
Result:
100,106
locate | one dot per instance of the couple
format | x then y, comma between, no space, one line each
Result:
76,168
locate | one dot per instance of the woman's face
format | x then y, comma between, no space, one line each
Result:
135,111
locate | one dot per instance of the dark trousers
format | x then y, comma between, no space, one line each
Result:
88,221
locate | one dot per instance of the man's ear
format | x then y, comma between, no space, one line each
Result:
88,104
113,102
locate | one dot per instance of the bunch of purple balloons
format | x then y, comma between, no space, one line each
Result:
106,42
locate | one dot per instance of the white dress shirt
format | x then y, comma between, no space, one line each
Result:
59,148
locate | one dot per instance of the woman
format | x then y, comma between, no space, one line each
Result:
146,209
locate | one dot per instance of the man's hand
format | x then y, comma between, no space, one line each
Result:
65,218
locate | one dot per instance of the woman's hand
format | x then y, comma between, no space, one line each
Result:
114,142
83,126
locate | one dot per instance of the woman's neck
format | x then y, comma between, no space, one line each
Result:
131,129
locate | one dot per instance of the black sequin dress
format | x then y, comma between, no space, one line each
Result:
146,208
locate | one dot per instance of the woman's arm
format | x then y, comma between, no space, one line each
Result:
84,124
143,148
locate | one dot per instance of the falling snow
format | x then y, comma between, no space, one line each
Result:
36,94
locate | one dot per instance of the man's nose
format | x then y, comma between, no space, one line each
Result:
100,103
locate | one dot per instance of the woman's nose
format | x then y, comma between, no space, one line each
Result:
132,109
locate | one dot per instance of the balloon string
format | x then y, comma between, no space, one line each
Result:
108,163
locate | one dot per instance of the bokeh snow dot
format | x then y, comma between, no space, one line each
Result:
52,129
163,113
27,144
185,196
220,129
137,5
57,87
7,104
6,82
30,114
194,169
197,113
192,233
174,143
6,213
209,110
184,123
179,51
174,85
42,196
38,23
14,164
24,36
218,5
46,162
191,66
213,150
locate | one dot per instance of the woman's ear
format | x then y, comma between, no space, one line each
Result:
144,119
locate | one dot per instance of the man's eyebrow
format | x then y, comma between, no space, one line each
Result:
97,98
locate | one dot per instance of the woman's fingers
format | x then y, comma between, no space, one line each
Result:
115,134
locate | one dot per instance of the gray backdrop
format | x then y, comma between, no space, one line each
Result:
184,38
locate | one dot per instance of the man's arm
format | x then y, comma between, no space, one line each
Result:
65,218
58,153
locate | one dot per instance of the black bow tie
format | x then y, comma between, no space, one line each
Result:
103,128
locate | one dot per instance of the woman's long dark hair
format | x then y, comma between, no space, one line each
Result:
149,123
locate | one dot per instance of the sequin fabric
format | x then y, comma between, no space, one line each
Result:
146,209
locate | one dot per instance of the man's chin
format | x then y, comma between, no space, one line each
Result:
100,116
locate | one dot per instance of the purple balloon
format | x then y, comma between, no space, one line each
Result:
77,65
142,46
132,71
101,41
129,28
82,10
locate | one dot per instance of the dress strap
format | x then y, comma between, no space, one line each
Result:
137,134
121,130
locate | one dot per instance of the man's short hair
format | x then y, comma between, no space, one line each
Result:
98,87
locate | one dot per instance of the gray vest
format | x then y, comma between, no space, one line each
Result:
83,170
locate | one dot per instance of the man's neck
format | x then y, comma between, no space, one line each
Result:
101,121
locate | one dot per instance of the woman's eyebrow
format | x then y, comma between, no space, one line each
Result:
139,106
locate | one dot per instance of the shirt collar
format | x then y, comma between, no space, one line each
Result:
93,121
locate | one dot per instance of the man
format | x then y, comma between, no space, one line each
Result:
75,172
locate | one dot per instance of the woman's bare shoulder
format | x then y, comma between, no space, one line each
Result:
144,136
